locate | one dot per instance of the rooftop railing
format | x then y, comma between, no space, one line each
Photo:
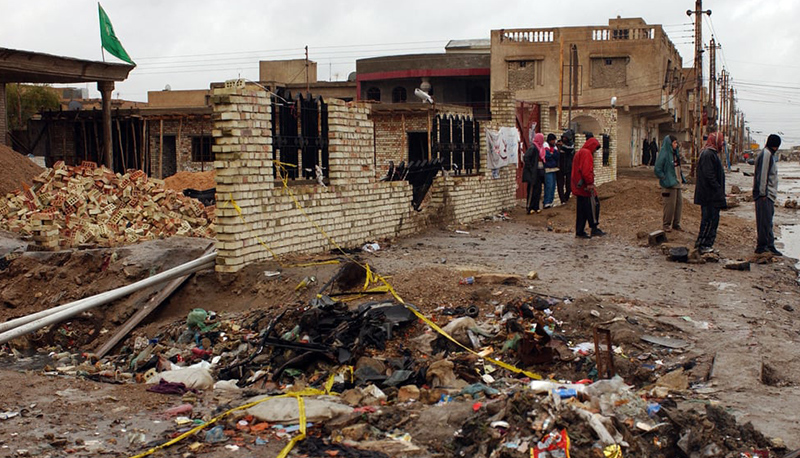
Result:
528,35
638,33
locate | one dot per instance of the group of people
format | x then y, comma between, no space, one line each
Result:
544,162
554,164
710,190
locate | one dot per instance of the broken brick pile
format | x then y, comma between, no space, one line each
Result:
90,205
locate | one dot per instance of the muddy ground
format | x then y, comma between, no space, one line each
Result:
740,325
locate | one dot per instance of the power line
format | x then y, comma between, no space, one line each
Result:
269,51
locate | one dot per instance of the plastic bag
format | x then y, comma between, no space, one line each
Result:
196,377
553,445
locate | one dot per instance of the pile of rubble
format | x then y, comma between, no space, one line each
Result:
405,390
88,205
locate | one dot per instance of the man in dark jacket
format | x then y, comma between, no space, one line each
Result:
653,152
531,175
709,192
566,151
588,207
765,191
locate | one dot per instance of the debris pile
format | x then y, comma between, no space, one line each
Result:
376,382
88,205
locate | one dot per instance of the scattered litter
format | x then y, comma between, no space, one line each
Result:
371,247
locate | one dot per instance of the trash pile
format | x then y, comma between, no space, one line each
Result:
375,380
88,205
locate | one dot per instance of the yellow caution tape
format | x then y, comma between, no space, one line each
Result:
299,395
261,242
371,277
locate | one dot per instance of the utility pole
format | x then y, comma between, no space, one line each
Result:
307,84
723,99
712,82
573,81
698,70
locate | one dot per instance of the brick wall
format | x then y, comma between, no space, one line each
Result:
188,127
353,209
391,141
3,114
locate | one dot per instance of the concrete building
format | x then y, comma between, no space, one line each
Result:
459,76
622,82
300,75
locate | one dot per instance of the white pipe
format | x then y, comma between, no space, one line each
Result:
30,323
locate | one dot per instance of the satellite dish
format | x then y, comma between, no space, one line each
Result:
74,105
167,87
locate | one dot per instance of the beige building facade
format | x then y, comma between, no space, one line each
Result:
623,81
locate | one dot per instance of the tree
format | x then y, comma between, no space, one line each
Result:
24,101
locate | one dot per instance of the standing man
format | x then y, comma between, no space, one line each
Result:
709,192
530,175
653,152
668,169
765,190
566,150
588,207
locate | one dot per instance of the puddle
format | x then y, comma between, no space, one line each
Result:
789,188
790,239
789,183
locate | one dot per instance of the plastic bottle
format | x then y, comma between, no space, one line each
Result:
467,281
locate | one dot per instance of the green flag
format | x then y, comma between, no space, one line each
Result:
109,39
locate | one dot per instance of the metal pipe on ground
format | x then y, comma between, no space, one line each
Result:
27,324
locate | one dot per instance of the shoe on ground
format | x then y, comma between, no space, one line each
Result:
705,249
677,228
598,233
582,235
774,251
760,250
548,205
538,211
667,229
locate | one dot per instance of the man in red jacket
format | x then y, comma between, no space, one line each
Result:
588,207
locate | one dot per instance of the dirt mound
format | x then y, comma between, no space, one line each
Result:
15,169
191,180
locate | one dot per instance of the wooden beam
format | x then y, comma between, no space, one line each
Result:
153,303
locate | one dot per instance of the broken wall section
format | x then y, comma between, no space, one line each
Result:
354,208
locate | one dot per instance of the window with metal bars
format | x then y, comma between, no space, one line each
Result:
454,139
300,136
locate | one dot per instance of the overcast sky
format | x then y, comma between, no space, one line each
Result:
190,43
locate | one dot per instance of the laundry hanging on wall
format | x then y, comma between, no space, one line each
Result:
502,146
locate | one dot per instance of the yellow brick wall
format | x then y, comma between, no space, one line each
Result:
353,209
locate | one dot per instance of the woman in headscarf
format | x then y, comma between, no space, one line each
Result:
533,173
709,192
668,169
550,169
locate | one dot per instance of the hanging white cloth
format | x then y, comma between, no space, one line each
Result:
502,146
